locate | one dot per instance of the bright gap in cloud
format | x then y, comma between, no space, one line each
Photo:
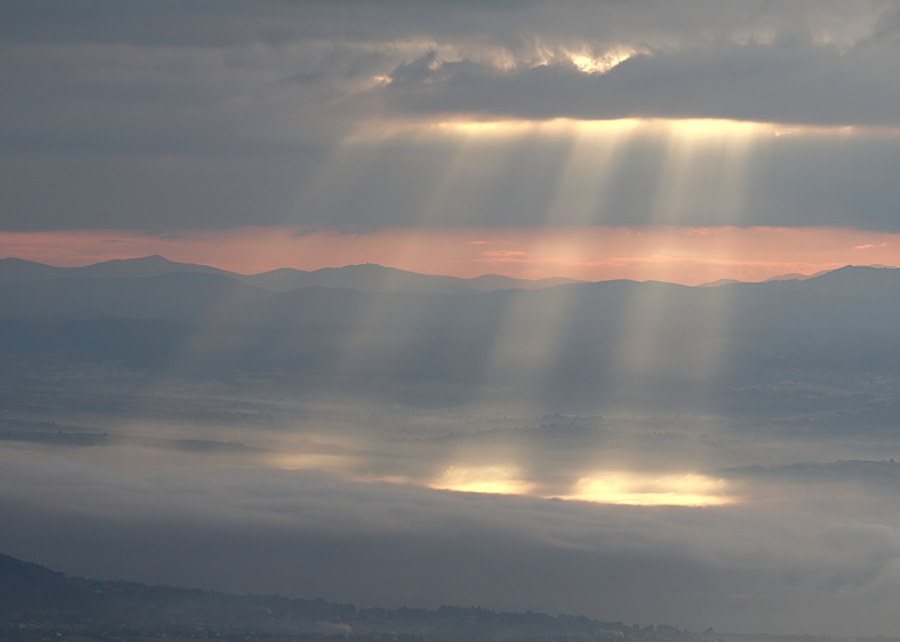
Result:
698,128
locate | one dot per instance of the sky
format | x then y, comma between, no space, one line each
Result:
406,133
699,476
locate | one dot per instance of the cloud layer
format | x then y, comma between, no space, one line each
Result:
782,558
228,114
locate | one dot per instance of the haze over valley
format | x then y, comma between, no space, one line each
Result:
450,320
353,442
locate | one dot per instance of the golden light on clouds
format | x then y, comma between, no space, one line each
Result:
698,129
588,62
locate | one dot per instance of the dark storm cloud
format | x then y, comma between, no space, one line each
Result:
219,23
788,81
143,99
232,74
164,116
157,193
510,23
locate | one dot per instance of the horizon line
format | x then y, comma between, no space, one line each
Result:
714,283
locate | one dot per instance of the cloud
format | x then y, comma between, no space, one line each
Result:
373,117
227,114
505,254
786,81
253,529
231,76
343,501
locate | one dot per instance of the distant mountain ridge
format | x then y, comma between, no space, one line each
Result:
368,277
796,276
793,276
154,288
211,325
15,269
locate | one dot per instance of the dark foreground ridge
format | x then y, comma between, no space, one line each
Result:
38,604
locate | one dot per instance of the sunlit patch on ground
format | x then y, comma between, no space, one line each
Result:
490,479
613,488
647,490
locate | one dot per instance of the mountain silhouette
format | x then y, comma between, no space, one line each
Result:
368,277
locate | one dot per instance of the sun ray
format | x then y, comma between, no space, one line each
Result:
482,155
369,339
703,171
531,338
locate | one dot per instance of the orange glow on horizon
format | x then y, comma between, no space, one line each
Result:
679,254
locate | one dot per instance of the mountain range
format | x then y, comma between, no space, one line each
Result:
368,277
37,603
372,321
154,288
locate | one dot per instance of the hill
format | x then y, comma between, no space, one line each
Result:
367,277
38,603
567,343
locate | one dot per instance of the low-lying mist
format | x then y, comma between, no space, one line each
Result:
348,493
641,452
